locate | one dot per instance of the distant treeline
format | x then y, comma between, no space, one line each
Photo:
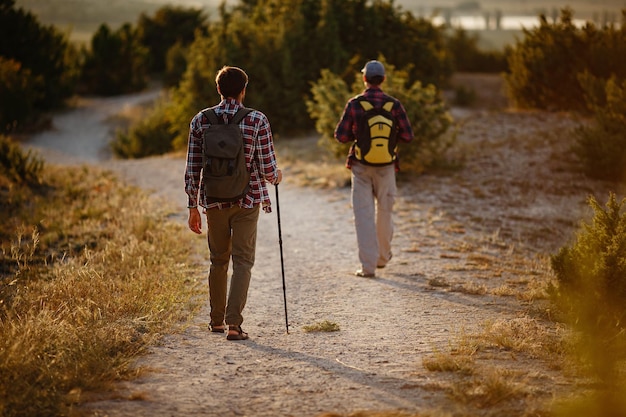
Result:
286,46
283,44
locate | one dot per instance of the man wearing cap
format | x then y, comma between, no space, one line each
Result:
373,186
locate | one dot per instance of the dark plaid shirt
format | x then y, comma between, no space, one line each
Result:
259,150
346,129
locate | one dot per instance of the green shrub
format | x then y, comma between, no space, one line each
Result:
430,120
152,135
545,65
283,45
591,290
175,65
169,26
18,94
593,270
601,147
19,166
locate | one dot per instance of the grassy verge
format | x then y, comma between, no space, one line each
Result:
91,273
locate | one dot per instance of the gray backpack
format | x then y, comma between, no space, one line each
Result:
224,172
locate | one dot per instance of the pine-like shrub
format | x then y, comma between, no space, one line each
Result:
601,146
591,290
429,117
593,270
545,65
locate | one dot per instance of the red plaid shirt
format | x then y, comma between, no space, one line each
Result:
260,157
346,129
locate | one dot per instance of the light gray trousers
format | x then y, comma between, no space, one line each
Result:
373,197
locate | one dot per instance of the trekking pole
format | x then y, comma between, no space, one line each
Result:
282,264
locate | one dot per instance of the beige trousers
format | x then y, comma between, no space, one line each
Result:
373,197
232,234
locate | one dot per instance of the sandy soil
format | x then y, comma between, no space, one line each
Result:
461,236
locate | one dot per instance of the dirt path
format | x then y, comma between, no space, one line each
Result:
480,228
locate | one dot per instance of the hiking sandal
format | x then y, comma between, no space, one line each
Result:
216,328
241,335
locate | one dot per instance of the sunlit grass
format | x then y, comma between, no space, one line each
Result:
449,362
93,274
323,326
487,390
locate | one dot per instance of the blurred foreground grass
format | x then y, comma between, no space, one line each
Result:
91,273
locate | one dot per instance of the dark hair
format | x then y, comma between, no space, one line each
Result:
375,80
231,81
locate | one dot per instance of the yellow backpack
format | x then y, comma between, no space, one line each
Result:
376,142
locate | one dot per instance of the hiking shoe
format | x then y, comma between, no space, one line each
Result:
363,274
384,264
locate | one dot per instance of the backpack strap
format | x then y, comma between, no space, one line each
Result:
210,114
241,113
367,105
238,117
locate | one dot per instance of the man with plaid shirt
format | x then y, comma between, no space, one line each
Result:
232,227
373,187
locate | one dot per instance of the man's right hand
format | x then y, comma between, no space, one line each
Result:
195,220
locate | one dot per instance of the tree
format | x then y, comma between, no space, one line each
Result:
19,91
545,67
170,26
284,44
41,51
116,62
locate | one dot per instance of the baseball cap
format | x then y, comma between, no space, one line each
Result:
373,68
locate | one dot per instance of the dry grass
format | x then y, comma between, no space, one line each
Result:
526,335
323,326
93,273
449,362
488,390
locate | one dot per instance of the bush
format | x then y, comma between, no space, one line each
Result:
150,136
18,166
546,64
601,147
283,46
170,25
38,68
18,95
591,276
429,117
175,65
